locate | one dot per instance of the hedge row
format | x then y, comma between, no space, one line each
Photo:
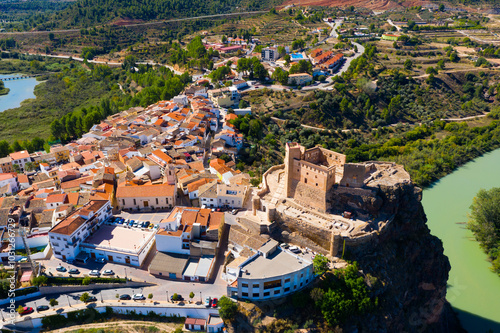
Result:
79,280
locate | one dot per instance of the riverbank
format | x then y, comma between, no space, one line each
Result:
472,286
4,91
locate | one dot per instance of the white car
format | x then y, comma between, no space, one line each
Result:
108,272
94,272
138,297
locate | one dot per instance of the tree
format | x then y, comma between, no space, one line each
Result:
150,296
175,297
53,302
4,148
191,296
484,222
440,65
51,36
243,104
408,64
320,264
40,280
20,309
441,7
86,281
227,308
85,297
454,57
57,129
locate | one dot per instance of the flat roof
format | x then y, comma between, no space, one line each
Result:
118,237
278,263
169,262
204,266
190,269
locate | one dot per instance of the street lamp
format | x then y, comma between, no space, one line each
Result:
167,297
36,307
1,313
68,300
101,296
201,299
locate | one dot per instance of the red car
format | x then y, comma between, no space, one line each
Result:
26,310
214,302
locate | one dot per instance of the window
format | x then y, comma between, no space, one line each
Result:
55,244
266,293
301,284
135,202
244,294
156,200
255,295
287,280
277,291
244,285
52,237
286,289
255,286
58,238
272,284
123,201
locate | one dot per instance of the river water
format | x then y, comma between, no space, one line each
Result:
19,91
473,290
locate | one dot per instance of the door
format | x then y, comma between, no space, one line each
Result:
110,258
146,204
127,260
63,257
92,255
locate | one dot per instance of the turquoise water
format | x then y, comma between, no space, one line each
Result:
20,90
296,56
473,290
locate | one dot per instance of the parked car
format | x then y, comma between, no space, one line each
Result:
156,226
208,301
179,298
74,271
151,226
108,272
26,310
120,221
61,269
94,272
135,225
24,259
100,260
70,261
146,224
125,297
42,308
214,302
234,211
91,299
138,297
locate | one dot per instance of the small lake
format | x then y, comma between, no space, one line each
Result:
20,90
473,289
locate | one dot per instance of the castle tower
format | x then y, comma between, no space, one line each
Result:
293,151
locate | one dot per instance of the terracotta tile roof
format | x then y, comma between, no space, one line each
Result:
71,223
143,191
19,155
56,198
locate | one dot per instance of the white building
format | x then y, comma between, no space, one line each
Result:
270,54
20,158
67,235
271,273
10,180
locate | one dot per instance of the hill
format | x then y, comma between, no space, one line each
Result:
86,13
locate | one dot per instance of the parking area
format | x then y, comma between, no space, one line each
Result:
154,218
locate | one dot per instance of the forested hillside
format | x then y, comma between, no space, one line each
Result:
85,13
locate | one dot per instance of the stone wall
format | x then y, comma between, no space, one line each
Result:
309,196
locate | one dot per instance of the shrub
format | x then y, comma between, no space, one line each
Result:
150,296
53,302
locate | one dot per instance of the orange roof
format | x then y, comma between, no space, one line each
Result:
56,198
20,155
162,156
163,190
70,224
196,184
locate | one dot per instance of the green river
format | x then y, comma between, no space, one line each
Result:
473,290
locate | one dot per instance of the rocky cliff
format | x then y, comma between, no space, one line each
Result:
410,263
407,260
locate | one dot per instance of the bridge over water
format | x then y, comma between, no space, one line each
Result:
20,77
